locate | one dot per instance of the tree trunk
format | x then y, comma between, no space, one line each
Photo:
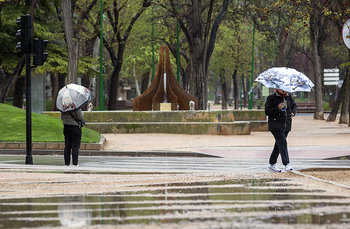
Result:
319,113
4,85
72,41
223,89
345,107
235,89
20,88
54,86
112,101
317,36
8,80
201,45
197,57
61,81
332,116
348,76
281,57
144,81
345,99
138,93
244,90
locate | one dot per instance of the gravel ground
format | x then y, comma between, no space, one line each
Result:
24,184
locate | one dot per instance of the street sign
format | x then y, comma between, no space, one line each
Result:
331,76
346,33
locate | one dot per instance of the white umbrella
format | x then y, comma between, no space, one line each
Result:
287,79
72,97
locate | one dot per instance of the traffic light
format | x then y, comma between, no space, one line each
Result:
39,56
25,33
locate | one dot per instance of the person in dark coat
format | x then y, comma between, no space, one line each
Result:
72,135
280,109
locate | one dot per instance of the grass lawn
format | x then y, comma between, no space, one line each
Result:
44,128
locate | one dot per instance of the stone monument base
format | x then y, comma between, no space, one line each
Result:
165,107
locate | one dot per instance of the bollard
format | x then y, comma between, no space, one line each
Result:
191,105
90,106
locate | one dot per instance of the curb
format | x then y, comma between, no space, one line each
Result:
51,145
41,152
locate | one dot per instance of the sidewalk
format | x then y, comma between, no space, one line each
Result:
309,138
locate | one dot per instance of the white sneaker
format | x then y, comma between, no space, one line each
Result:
274,168
288,167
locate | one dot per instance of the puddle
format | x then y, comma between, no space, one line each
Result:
272,201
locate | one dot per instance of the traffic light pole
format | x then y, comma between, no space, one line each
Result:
29,157
25,45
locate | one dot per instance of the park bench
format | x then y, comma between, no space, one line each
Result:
306,106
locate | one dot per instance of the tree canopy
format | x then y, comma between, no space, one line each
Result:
213,35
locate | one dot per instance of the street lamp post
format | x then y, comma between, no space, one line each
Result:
178,49
250,103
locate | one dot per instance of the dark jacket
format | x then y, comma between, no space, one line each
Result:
279,120
68,118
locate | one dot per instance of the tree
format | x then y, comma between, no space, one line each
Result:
275,19
137,64
337,12
72,35
197,22
317,37
120,32
11,60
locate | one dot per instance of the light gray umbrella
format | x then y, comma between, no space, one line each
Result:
72,97
287,79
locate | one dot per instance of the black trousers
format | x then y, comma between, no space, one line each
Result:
280,147
72,138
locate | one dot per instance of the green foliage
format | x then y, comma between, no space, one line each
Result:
44,128
232,48
139,51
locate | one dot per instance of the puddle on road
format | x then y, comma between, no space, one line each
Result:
260,201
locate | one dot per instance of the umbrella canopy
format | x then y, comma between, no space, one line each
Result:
287,79
72,97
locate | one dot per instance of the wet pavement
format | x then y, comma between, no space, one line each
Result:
244,201
227,188
163,164
232,203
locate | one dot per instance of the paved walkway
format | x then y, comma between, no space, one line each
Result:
310,141
309,138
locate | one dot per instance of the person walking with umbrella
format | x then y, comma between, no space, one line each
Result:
69,101
281,108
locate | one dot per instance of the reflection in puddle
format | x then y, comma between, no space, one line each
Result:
73,215
260,201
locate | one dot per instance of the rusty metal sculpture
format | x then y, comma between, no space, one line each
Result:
156,93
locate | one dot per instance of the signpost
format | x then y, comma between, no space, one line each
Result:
346,33
331,76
